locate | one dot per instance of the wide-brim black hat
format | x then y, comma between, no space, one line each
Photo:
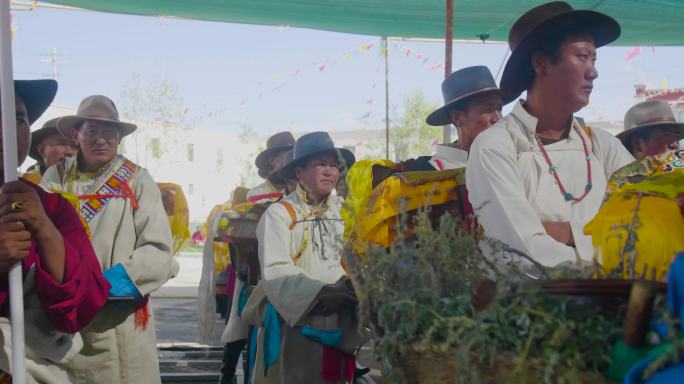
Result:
275,145
310,145
536,26
37,136
37,96
459,87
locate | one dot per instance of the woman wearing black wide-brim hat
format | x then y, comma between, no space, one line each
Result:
538,174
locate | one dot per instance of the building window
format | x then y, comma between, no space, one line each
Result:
191,152
219,157
191,189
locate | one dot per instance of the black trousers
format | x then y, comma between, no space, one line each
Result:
231,358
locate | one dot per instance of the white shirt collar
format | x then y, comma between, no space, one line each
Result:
451,154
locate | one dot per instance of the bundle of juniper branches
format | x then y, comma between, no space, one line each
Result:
429,292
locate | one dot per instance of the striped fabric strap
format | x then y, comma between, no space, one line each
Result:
114,187
439,164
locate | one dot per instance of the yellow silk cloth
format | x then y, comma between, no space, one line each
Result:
178,213
398,194
360,185
640,225
221,250
33,177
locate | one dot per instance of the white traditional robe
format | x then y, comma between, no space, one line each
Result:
206,292
510,183
115,351
449,157
292,287
236,328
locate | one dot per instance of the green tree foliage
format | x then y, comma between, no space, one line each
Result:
157,108
248,172
411,136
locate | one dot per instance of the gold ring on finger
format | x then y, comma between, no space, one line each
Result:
17,206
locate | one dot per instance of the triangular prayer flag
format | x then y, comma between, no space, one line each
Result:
632,53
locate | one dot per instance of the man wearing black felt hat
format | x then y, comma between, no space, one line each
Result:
472,103
268,163
538,175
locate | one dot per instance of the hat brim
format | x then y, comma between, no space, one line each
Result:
262,158
37,96
67,124
441,115
37,136
518,72
625,135
288,170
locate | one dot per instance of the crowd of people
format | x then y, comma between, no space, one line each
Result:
94,241
91,229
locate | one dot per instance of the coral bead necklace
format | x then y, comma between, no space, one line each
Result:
552,169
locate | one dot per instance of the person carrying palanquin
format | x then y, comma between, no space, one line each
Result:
472,103
650,129
303,305
536,177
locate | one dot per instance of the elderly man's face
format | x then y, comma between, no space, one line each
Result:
55,148
23,133
658,141
320,175
98,142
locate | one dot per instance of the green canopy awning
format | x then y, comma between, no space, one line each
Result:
644,22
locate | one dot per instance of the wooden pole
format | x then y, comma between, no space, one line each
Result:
448,49
387,121
9,146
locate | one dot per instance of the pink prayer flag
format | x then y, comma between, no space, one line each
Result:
632,53
297,72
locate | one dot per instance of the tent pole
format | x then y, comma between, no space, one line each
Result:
448,47
9,145
387,122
